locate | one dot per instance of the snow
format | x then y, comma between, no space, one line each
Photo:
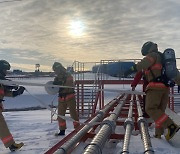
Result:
35,129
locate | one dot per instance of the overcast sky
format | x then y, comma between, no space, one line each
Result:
44,31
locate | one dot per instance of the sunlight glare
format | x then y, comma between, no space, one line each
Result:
77,28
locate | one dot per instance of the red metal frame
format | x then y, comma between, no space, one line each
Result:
100,98
92,133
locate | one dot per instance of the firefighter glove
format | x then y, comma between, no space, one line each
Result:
130,71
19,91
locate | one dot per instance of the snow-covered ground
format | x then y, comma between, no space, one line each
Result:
35,129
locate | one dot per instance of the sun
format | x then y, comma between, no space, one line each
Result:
76,28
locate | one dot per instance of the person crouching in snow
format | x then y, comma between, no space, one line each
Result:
157,90
5,134
66,97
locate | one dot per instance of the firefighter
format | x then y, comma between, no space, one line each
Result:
5,134
66,97
156,91
134,83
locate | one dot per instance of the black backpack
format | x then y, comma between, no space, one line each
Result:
169,62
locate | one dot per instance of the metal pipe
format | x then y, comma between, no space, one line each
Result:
108,127
75,139
143,126
129,126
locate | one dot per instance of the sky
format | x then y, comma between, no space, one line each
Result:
44,31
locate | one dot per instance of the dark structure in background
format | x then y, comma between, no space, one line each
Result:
115,69
70,69
37,66
102,68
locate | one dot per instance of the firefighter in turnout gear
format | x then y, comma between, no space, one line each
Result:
66,96
9,91
156,91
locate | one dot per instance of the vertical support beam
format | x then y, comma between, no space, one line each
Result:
172,99
136,118
102,95
82,99
77,99
169,99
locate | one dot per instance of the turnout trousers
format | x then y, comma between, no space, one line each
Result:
156,103
5,134
63,104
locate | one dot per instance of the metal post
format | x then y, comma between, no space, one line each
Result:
143,126
129,126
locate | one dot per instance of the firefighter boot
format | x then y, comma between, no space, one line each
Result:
171,131
158,132
61,133
16,146
157,136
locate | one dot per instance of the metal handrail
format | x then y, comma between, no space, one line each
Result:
108,127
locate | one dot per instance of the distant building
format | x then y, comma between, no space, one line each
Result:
18,72
115,69
102,68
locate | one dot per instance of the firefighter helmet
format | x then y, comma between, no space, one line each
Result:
57,65
4,65
148,47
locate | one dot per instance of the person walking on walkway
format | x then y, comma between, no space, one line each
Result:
156,91
66,96
5,134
